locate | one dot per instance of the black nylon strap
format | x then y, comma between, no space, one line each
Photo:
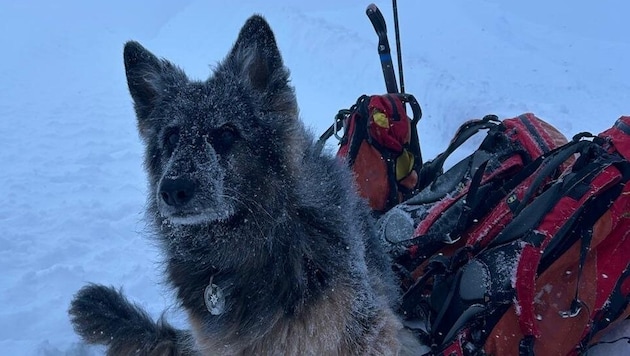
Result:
472,199
617,303
431,169
526,346
360,128
552,162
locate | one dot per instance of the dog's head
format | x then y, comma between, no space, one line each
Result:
219,148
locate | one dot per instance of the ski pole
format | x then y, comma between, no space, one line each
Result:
398,53
376,17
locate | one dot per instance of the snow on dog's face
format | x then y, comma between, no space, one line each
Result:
216,149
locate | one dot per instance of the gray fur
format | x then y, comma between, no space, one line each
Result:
240,196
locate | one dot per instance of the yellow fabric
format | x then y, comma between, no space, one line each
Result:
404,164
380,119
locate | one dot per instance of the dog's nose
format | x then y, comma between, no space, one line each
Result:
177,192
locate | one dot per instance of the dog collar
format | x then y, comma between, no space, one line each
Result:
214,298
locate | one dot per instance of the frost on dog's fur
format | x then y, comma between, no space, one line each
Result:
241,199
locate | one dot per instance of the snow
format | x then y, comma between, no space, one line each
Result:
72,189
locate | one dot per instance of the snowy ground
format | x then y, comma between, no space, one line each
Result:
72,187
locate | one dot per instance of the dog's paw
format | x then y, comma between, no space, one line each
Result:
98,313
102,315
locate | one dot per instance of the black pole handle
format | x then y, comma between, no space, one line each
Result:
378,21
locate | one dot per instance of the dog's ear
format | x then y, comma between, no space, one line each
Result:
256,58
148,77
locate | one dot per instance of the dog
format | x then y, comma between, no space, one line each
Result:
266,243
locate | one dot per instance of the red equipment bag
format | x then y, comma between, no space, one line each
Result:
380,143
542,271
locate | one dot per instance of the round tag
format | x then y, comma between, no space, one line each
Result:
215,299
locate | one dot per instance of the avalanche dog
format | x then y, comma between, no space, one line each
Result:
266,244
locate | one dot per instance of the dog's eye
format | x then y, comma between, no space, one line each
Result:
171,138
223,139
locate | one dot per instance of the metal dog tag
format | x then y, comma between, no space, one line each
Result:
215,299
